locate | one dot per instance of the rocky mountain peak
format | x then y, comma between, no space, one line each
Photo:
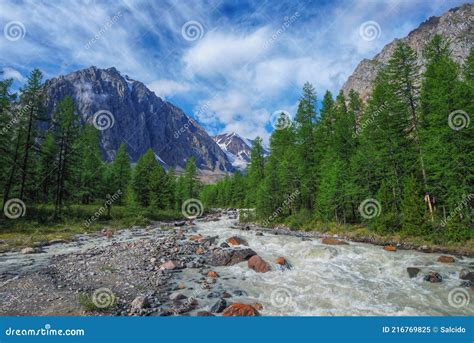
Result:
456,25
137,117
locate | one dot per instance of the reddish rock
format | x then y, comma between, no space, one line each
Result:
212,274
446,259
170,265
238,309
333,241
281,261
108,233
195,238
236,240
200,251
389,248
258,264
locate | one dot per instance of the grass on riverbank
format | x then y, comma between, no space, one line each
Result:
437,240
38,225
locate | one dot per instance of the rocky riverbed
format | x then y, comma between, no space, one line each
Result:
215,266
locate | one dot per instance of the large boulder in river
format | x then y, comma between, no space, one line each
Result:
466,274
238,309
236,240
433,277
282,263
413,271
333,241
258,264
228,257
446,259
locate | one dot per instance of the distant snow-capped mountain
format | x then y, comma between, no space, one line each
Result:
236,148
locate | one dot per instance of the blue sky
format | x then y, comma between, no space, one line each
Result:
229,64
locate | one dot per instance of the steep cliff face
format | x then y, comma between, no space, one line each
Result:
456,25
127,112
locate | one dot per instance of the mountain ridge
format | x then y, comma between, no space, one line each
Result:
139,119
451,24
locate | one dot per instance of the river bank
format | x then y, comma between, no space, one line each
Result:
211,266
362,234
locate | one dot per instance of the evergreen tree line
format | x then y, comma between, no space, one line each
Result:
399,162
54,159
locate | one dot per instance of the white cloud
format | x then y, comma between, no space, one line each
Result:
10,73
165,88
219,53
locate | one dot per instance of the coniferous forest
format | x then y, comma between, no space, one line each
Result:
53,168
400,163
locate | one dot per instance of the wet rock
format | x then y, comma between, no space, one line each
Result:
446,259
226,295
258,264
212,274
57,241
240,293
219,306
389,248
413,271
333,241
259,233
181,286
139,303
238,309
30,250
177,296
212,295
236,240
229,257
204,314
466,274
224,245
433,277
200,251
180,223
196,238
